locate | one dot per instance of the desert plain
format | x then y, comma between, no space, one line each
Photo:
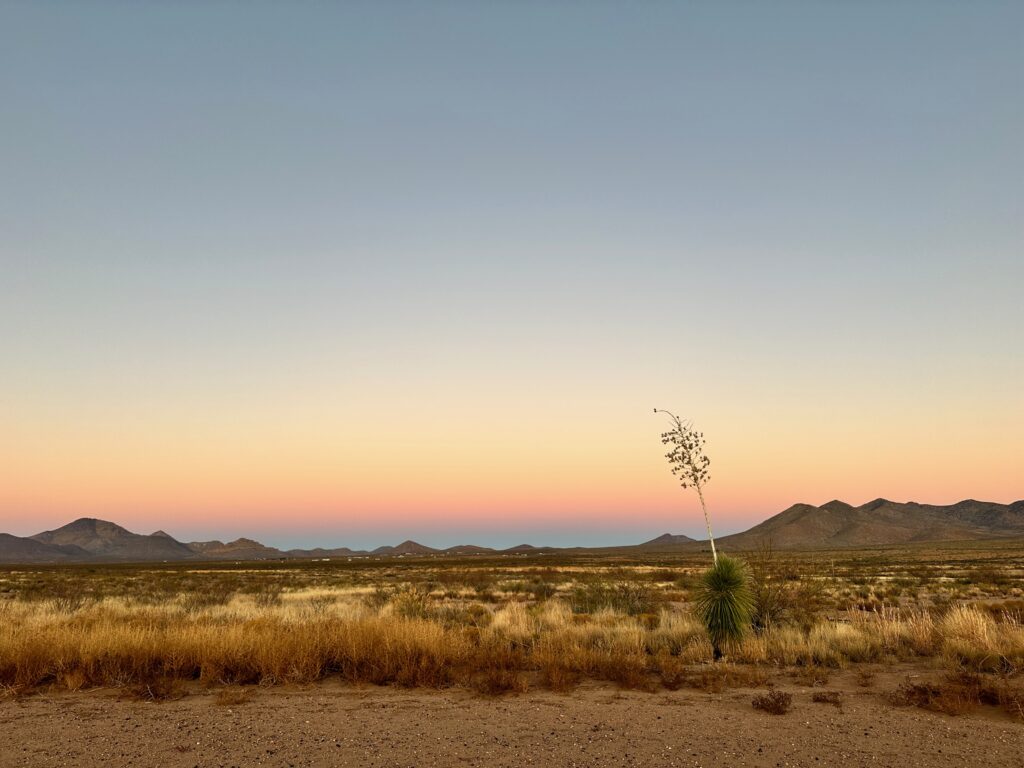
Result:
902,656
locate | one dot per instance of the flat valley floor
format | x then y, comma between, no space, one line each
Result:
330,724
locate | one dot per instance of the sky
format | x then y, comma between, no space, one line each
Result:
346,274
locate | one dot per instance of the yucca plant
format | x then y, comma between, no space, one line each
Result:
725,602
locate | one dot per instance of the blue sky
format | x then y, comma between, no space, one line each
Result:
328,219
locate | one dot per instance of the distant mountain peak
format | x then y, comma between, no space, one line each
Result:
668,538
836,506
798,507
468,549
407,547
876,504
109,541
881,522
410,547
90,524
244,542
239,549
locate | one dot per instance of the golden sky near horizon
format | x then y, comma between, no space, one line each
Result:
296,454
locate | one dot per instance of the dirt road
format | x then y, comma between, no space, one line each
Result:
333,725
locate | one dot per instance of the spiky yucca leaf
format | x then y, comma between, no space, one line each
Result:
725,601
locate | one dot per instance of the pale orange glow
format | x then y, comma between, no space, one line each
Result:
320,465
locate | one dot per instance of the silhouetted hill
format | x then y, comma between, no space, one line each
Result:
802,526
406,548
468,549
667,539
107,541
880,522
239,549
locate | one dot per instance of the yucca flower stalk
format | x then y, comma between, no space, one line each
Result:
688,463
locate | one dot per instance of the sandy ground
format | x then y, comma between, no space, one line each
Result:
334,725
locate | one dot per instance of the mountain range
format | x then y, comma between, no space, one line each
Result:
880,522
801,526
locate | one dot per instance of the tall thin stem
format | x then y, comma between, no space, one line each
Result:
707,522
689,462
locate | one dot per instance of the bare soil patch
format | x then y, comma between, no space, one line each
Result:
330,724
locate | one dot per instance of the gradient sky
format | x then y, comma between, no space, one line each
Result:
350,273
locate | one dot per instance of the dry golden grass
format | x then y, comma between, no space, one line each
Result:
408,641
960,692
494,627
